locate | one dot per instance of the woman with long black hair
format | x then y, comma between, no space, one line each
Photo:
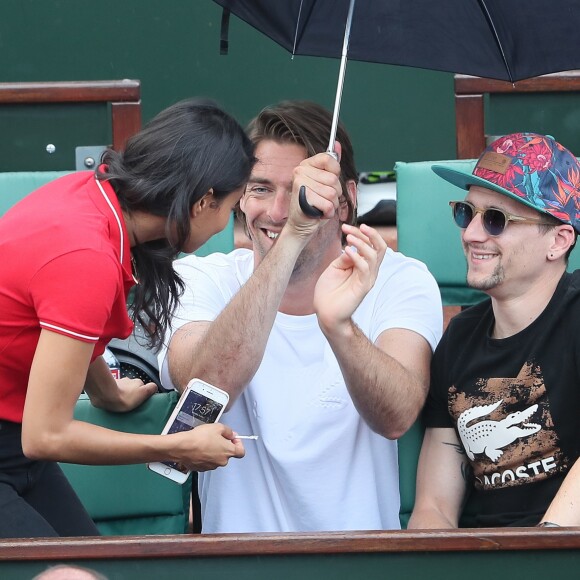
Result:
70,253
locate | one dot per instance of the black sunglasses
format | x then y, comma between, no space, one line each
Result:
494,220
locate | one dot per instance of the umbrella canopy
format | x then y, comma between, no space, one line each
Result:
501,39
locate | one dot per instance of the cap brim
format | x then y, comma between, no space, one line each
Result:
465,180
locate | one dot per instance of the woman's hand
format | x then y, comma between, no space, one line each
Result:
118,395
131,393
206,447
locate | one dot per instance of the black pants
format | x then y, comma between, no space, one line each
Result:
36,500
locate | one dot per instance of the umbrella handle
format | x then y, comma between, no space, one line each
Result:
306,208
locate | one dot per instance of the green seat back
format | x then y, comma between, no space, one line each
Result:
409,446
131,499
221,242
425,228
15,185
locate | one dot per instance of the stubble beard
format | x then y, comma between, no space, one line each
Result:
485,284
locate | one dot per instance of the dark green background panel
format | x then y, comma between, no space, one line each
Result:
483,565
172,46
551,113
27,130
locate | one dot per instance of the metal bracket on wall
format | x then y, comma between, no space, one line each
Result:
88,157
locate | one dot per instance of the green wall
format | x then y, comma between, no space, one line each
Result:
482,564
549,113
172,46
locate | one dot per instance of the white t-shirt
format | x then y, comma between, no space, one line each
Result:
317,466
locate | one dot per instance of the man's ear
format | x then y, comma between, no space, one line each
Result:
206,202
242,202
352,190
564,238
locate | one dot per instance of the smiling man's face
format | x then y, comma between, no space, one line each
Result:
508,262
266,201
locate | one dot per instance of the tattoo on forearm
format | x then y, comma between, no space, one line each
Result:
457,447
466,469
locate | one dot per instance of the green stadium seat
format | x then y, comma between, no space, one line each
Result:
131,499
425,229
408,448
15,185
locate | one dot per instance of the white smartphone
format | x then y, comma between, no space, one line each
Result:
199,403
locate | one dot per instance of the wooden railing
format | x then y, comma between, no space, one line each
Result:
469,104
124,97
478,554
229,545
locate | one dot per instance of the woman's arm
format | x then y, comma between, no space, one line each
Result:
49,431
105,392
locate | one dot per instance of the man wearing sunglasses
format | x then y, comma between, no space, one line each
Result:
501,420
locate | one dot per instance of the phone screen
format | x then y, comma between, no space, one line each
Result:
196,410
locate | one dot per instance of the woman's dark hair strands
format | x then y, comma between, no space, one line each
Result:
187,150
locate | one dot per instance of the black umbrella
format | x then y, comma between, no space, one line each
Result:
501,39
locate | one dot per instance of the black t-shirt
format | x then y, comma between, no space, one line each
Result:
513,404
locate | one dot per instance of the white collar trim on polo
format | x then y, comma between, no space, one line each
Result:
121,236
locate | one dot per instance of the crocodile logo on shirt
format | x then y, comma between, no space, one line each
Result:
506,428
490,437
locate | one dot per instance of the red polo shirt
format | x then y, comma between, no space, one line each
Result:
65,266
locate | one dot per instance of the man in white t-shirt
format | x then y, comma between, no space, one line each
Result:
321,335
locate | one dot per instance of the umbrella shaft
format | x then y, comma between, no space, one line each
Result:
341,76
337,100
